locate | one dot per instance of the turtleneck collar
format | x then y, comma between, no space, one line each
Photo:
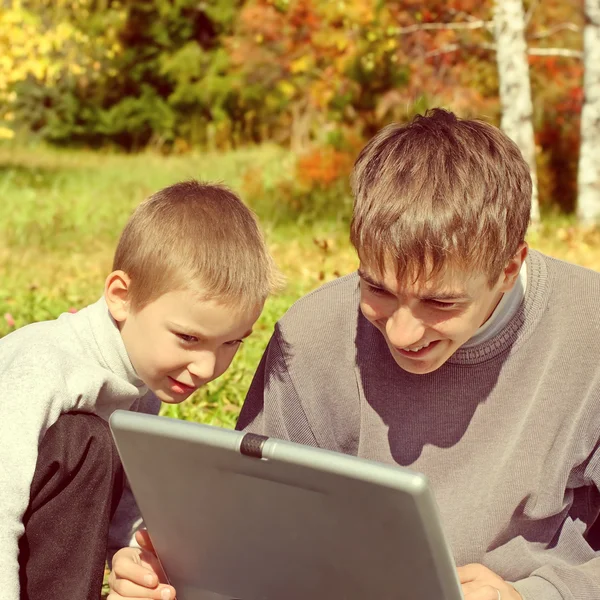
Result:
110,349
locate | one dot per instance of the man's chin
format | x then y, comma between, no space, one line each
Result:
419,366
416,368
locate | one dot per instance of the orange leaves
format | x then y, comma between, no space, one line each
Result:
323,166
261,21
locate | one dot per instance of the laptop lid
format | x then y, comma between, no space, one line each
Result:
236,515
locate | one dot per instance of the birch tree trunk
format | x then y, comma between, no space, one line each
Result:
515,86
588,200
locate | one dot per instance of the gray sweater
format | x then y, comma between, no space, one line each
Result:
507,431
76,362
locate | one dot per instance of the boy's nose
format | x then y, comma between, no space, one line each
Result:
203,366
403,329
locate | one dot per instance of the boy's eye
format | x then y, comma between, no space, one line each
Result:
188,339
234,343
376,290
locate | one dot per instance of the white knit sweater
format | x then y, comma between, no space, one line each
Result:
76,362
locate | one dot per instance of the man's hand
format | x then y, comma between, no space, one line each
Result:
136,573
479,583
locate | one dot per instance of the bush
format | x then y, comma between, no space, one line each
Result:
312,187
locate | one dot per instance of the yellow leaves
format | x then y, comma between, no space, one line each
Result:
47,48
45,40
302,64
6,133
337,39
321,93
287,89
38,68
356,11
76,69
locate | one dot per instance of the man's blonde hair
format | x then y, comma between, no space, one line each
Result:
195,236
437,192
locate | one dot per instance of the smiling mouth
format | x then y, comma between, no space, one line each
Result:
417,348
183,386
418,351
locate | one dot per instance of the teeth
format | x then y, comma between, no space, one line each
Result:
416,349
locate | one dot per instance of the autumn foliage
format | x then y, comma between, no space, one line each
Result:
316,75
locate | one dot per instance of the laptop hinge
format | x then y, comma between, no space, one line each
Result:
252,444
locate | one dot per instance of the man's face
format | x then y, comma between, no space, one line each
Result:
424,323
178,343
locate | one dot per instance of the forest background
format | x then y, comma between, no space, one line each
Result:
104,101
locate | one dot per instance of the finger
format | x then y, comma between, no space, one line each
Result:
485,592
115,596
159,591
138,566
145,542
150,561
127,589
472,572
143,539
470,587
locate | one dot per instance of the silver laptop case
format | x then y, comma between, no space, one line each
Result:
235,515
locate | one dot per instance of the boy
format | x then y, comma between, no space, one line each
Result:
456,352
190,276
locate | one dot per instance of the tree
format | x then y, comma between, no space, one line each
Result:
52,45
588,202
515,86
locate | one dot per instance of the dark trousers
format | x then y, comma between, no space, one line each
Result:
77,485
593,536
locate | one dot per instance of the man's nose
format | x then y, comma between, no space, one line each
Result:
403,329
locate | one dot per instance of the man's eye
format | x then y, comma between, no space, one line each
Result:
441,304
188,339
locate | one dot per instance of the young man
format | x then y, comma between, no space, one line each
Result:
456,352
190,277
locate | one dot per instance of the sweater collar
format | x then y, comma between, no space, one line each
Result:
110,348
523,321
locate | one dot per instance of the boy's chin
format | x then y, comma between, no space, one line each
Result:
170,397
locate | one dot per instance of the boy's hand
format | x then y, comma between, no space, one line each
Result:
479,583
137,573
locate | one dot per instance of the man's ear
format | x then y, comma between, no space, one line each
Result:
513,267
116,293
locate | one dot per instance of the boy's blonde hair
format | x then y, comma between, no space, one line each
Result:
440,192
196,236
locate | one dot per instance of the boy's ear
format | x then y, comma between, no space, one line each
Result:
116,293
513,267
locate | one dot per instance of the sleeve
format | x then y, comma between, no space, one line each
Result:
21,425
272,406
570,579
125,522
127,518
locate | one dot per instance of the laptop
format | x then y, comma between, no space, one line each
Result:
235,515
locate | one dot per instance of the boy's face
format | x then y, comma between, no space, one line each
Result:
178,343
425,323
